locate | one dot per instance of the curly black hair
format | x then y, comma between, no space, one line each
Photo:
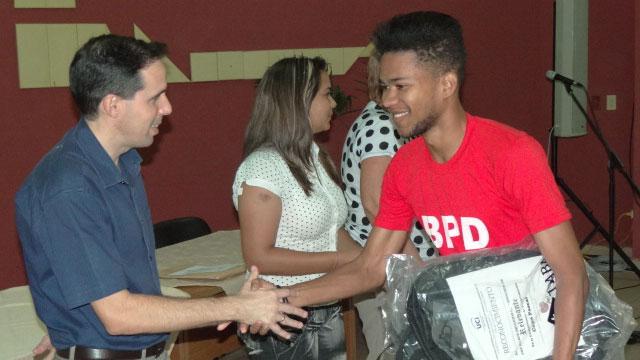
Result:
435,37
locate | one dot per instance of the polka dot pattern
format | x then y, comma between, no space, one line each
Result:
307,223
372,134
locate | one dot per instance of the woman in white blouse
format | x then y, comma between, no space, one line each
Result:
290,204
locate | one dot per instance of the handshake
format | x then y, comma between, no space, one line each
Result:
259,307
265,307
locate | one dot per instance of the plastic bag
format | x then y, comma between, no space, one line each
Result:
493,304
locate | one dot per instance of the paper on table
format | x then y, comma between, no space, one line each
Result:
200,269
215,272
220,247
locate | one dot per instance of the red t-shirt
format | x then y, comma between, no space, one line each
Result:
496,190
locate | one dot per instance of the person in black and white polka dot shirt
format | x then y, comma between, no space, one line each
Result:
370,144
372,139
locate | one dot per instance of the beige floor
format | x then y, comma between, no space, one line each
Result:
625,283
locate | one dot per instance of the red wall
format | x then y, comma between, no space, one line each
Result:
583,160
635,132
190,168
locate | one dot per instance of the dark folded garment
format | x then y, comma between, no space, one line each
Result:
436,332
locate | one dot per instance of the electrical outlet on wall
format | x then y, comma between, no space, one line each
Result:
611,102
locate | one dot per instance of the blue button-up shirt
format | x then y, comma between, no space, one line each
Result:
86,233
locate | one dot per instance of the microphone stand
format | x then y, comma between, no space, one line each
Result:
614,164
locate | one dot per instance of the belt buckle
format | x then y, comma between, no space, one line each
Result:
87,353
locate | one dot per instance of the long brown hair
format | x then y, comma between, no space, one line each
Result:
280,117
373,76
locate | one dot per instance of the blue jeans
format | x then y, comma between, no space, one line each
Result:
321,338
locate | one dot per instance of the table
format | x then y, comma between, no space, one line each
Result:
220,247
20,327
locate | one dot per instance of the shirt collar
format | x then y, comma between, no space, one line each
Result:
109,173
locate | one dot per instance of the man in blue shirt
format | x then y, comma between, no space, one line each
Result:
86,229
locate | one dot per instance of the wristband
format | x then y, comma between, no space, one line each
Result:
284,299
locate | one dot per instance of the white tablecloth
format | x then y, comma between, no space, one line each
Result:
20,328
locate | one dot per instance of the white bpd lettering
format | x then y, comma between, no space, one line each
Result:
451,228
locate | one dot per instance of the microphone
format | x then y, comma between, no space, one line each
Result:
553,76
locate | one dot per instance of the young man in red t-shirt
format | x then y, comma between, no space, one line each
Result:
472,182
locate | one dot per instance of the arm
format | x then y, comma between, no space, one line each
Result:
560,248
410,249
44,350
259,211
371,173
347,248
124,313
540,201
365,273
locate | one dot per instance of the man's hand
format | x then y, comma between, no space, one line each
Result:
258,283
258,327
264,309
44,349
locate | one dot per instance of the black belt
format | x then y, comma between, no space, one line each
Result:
86,353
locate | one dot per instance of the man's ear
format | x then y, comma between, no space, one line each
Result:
449,83
112,105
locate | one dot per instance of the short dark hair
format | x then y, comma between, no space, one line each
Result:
435,37
109,64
